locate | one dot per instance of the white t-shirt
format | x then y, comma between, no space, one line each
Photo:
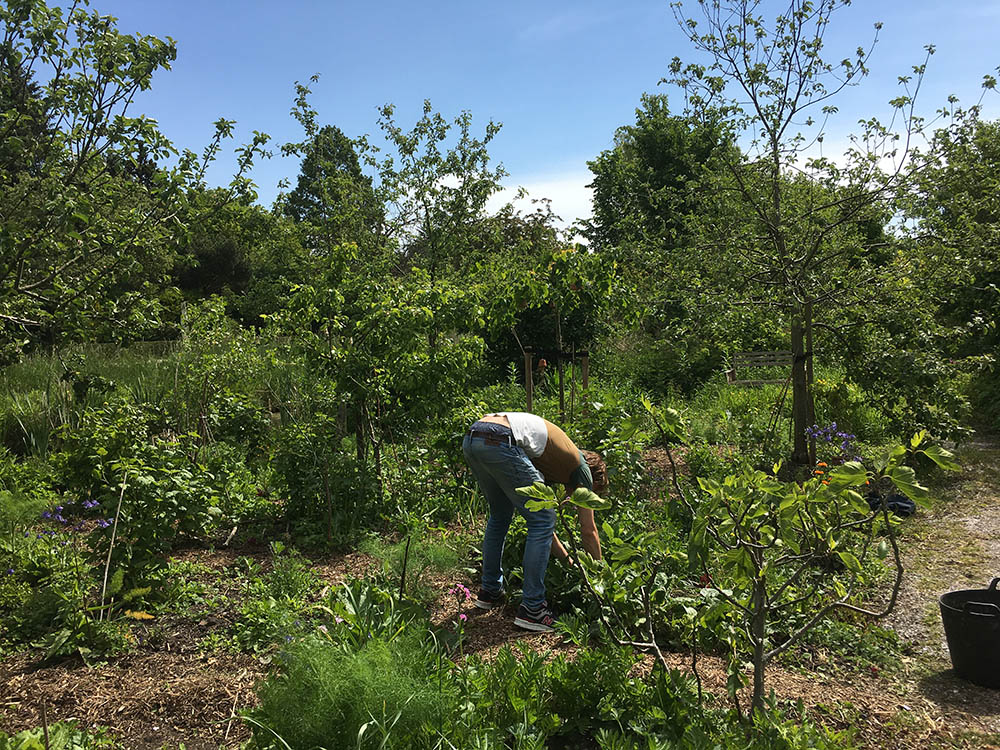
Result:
529,431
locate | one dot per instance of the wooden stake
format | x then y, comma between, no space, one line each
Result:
572,385
529,385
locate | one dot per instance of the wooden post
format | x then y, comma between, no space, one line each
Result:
529,385
572,384
562,388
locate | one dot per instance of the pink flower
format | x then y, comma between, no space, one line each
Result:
338,620
463,617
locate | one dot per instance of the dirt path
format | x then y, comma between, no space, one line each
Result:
955,545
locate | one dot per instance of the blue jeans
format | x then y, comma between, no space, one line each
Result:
500,470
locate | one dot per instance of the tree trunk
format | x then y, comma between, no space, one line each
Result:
801,408
360,442
809,378
757,633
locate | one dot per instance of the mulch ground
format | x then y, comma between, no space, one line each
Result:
168,692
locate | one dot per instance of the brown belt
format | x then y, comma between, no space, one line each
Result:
491,438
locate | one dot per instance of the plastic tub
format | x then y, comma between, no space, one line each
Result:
972,626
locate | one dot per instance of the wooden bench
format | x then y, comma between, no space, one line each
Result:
756,361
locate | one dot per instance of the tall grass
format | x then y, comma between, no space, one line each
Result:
37,395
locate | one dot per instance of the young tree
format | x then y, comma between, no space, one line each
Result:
436,193
801,234
85,209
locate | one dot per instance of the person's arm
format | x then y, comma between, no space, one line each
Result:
558,550
589,537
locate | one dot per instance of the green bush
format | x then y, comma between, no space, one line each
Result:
330,495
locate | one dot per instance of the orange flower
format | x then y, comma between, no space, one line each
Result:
822,463
818,472
825,482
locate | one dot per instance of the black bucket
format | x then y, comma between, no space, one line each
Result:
972,626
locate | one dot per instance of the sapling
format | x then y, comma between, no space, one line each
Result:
768,542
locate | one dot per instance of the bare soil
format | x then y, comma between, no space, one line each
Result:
168,691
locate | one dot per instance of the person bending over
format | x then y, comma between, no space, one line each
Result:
507,450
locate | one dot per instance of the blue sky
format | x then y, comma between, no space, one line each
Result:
561,76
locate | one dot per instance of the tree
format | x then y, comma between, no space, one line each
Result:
333,200
954,202
648,189
84,207
952,208
801,234
371,333
436,194
645,187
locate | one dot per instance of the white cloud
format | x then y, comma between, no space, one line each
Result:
568,191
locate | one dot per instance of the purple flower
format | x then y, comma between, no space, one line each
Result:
59,509
103,523
60,519
46,514
90,503
10,571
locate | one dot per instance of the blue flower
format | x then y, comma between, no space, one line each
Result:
10,571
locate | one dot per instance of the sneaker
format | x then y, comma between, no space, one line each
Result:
542,620
489,599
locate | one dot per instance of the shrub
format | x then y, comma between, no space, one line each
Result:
330,495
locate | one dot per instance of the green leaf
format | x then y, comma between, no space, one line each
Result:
849,474
115,584
584,498
851,561
535,505
905,478
538,491
942,457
